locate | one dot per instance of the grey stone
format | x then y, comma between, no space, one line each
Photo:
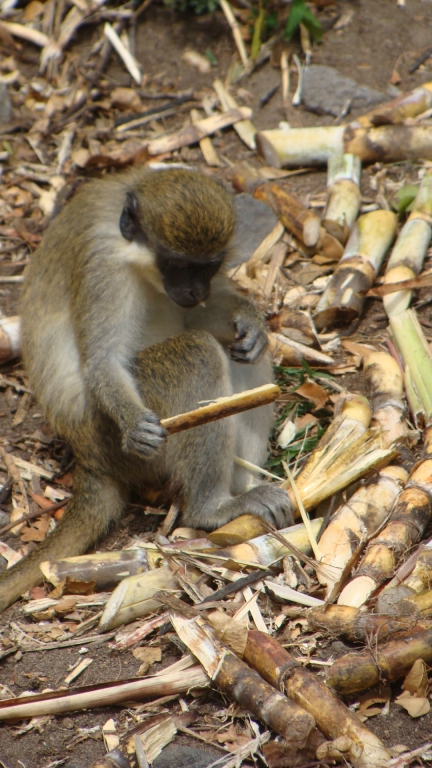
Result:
254,221
183,756
4,518
5,104
326,91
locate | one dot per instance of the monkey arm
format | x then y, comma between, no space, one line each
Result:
232,319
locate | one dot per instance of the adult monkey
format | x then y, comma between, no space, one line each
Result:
120,329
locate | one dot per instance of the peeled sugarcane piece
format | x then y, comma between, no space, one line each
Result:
222,407
314,146
384,378
238,530
332,717
355,624
410,516
408,104
361,516
293,353
244,128
346,452
358,671
408,336
421,576
242,684
343,203
295,325
10,340
264,550
304,224
407,256
105,569
134,597
343,299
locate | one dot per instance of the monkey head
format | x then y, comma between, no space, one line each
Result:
186,220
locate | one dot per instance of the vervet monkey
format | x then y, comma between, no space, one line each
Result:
127,318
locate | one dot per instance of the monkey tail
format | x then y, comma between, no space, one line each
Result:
97,502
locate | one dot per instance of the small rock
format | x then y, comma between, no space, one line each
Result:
183,756
4,518
326,91
254,221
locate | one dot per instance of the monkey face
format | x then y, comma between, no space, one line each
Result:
186,281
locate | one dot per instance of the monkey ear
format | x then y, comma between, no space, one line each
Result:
129,221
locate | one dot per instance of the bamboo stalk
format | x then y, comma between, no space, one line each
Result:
358,671
343,299
303,223
332,717
221,408
314,146
343,201
243,684
407,256
361,516
192,134
105,569
406,105
409,518
410,341
244,128
169,682
10,341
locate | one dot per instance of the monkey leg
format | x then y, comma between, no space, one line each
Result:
201,460
97,501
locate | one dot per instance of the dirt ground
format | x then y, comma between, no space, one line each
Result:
380,37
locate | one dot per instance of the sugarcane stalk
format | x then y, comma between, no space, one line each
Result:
332,717
222,407
384,378
314,146
105,569
407,256
409,518
358,671
242,684
266,549
355,624
408,104
134,597
361,516
410,341
237,531
303,223
343,299
343,195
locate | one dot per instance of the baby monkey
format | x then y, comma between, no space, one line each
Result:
127,318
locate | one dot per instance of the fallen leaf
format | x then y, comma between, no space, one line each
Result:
415,706
313,392
416,681
37,531
147,657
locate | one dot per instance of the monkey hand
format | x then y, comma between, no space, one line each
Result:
145,437
250,339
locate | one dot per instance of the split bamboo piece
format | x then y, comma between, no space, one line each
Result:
343,190
304,224
265,550
244,128
346,452
358,671
359,518
314,146
192,134
293,353
409,518
222,407
355,624
105,569
332,717
407,256
406,105
134,597
384,378
407,334
206,146
174,680
343,299
10,341
243,684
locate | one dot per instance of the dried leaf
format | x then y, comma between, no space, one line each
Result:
416,681
37,531
147,657
313,392
414,705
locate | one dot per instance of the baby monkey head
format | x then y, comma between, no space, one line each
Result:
186,220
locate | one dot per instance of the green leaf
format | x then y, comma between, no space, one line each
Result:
300,14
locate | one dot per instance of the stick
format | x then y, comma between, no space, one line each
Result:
244,128
222,407
235,30
129,61
192,134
